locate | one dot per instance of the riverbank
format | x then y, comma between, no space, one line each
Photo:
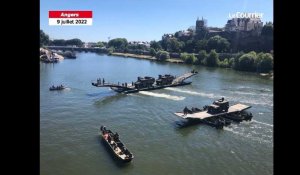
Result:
148,57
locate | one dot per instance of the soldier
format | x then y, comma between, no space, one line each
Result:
185,110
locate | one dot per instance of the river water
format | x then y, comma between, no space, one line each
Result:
70,120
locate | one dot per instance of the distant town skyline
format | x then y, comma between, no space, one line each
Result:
146,20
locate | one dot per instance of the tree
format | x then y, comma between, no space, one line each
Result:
201,45
152,52
218,43
188,58
59,42
267,30
162,55
77,42
189,46
247,62
264,62
166,44
44,38
212,59
202,55
175,45
231,62
155,45
100,44
267,37
118,43
224,63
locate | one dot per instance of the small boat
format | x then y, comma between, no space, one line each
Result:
116,146
57,88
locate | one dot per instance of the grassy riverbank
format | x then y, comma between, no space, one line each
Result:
148,57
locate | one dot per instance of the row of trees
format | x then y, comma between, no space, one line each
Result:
192,45
61,42
261,62
44,40
251,61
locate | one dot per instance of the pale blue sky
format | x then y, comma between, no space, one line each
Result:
145,20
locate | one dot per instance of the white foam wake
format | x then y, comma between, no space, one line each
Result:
192,92
250,134
171,97
262,123
216,96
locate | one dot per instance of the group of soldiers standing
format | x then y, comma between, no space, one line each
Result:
99,81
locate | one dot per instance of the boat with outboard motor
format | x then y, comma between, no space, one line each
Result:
115,145
57,88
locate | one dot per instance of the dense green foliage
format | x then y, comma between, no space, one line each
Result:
162,55
44,38
212,59
264,62
247,62
152,52
218,43
201,57
188,58
119,44
72,42
155,45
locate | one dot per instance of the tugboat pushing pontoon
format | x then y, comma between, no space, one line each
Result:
147,83
218,114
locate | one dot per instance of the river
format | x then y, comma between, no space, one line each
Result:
70,120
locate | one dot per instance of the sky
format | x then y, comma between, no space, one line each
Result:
145,20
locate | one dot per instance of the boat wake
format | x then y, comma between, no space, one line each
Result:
262,123
171,97
192,92
252,93
234,97
252,131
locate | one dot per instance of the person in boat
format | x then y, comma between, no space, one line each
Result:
185,110
193,109
105,135
116,137
108,138
103,81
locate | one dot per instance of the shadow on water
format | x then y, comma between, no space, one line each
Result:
114,159
185,127
186,123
